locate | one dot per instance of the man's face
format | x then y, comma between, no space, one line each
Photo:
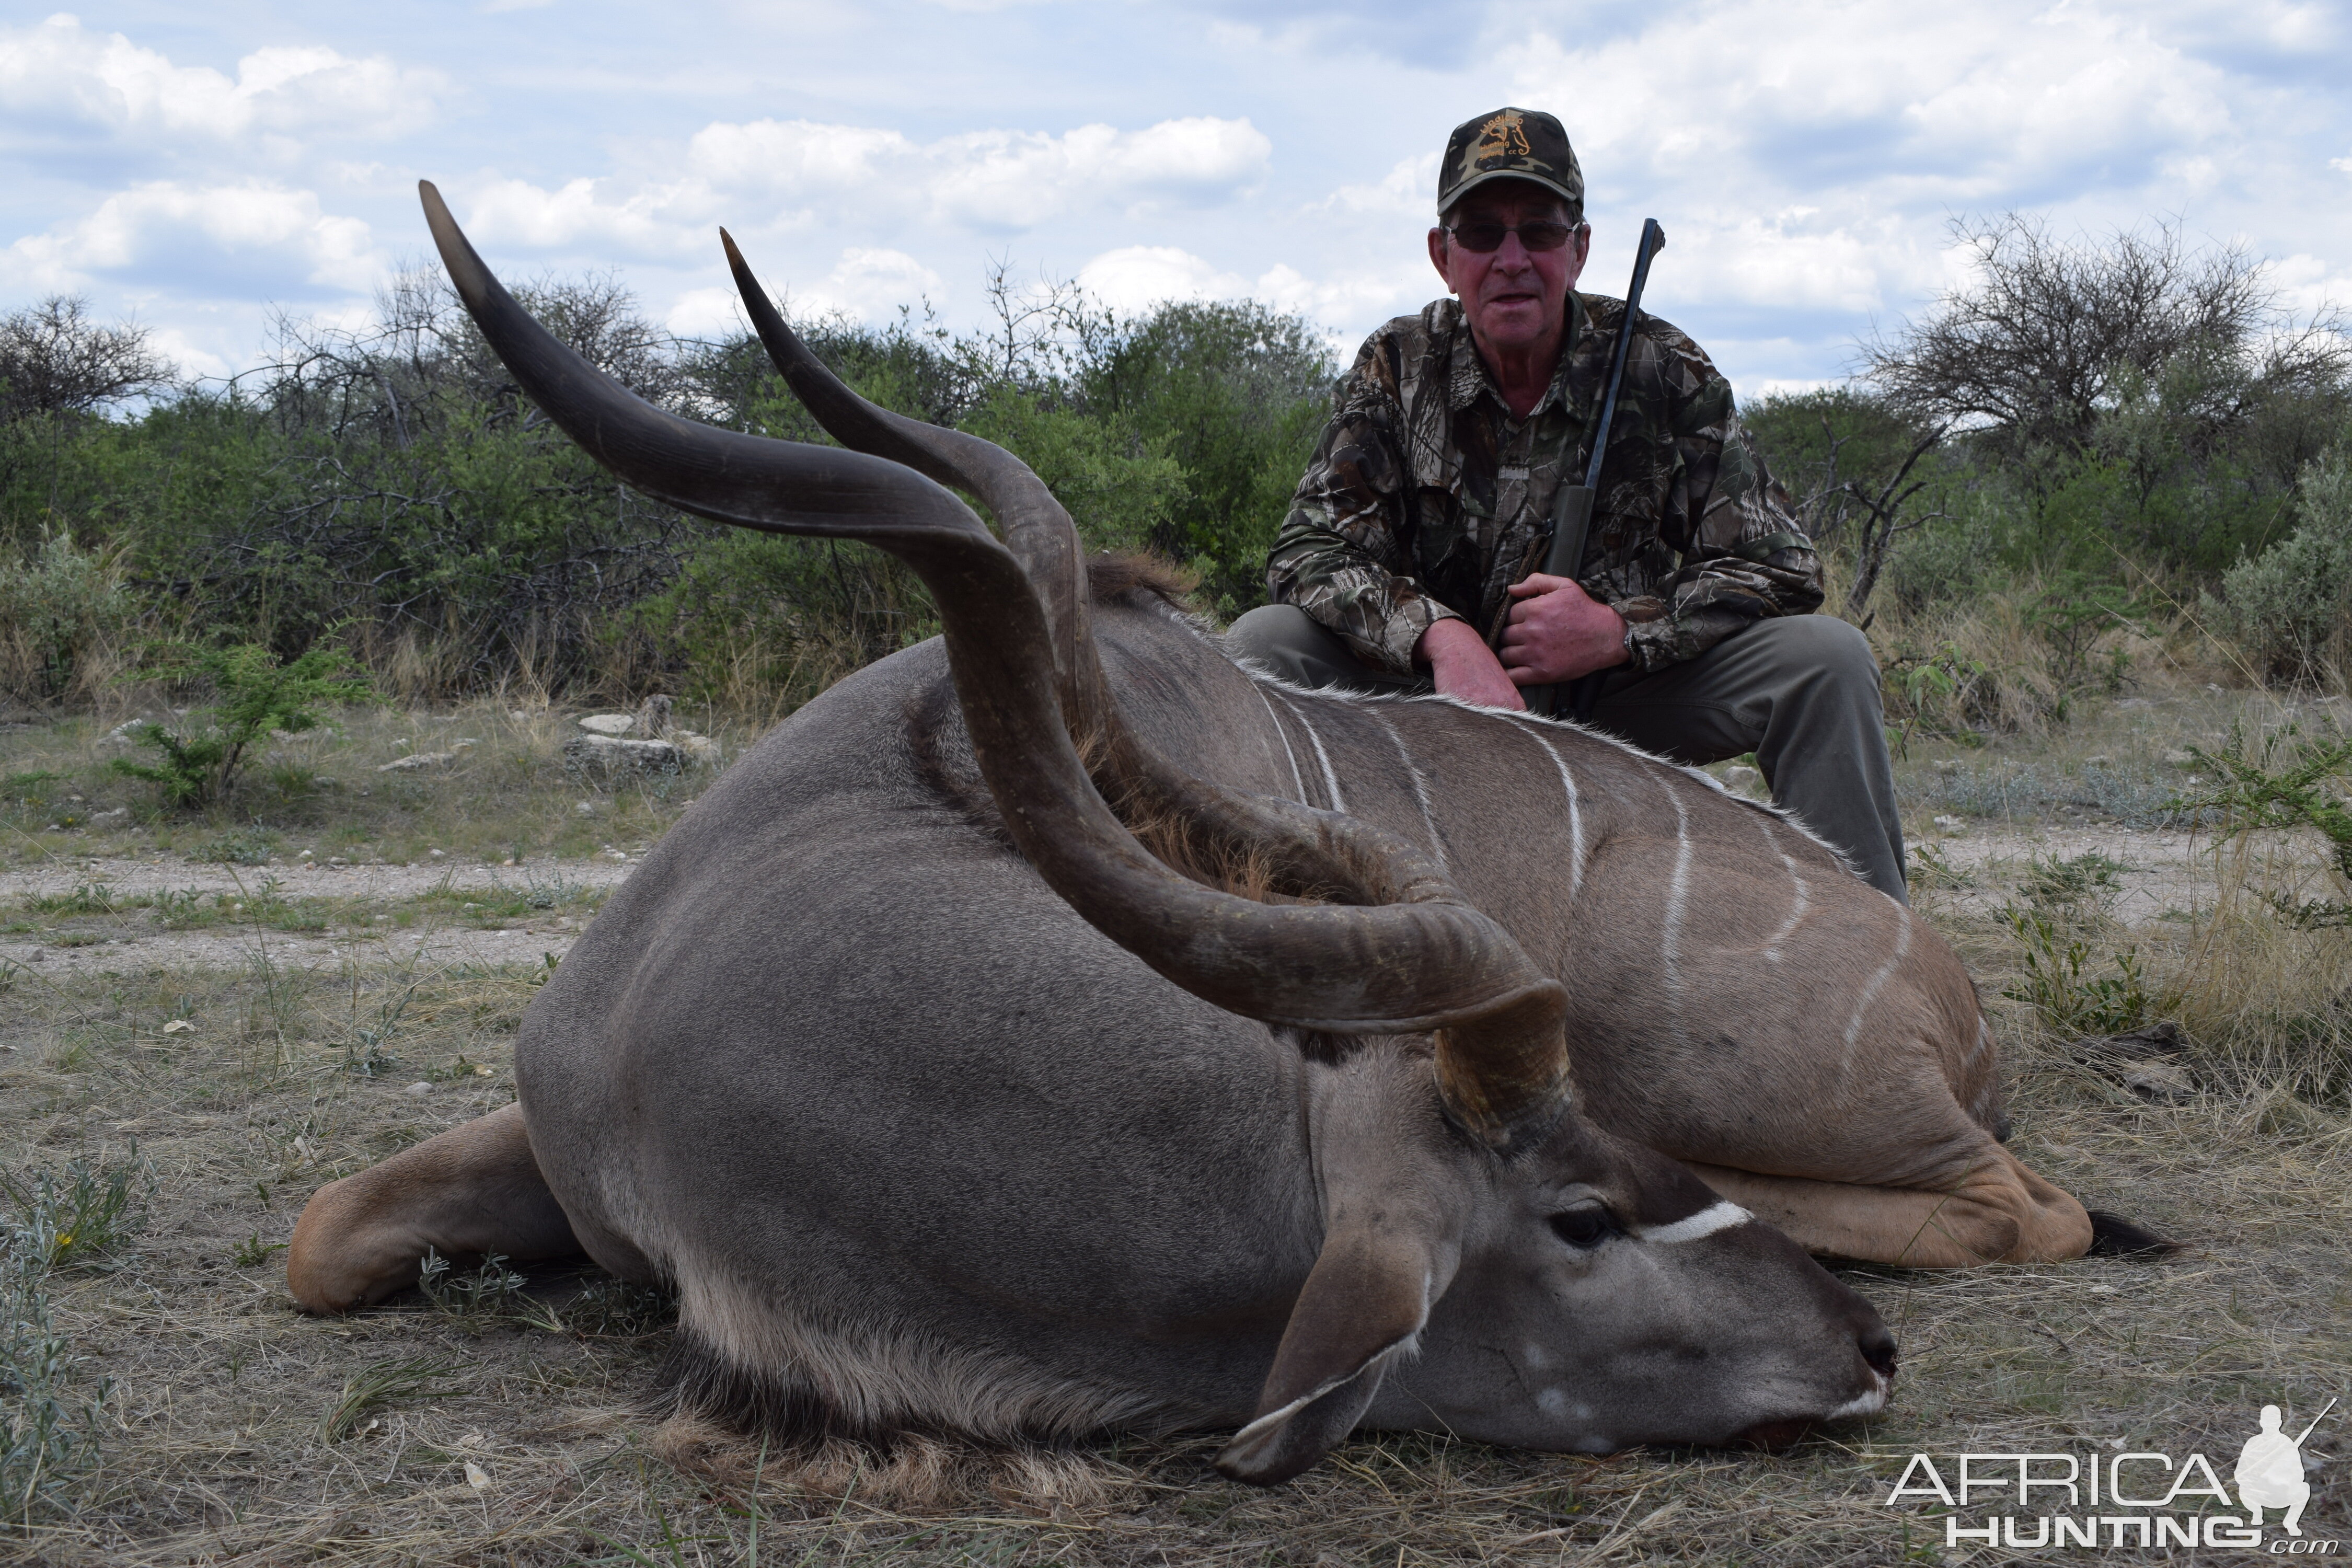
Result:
1516,299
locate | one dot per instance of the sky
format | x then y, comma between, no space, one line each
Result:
201,169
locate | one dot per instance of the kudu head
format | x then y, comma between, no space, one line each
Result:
1544,1283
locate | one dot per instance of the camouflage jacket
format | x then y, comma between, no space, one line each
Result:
1426,499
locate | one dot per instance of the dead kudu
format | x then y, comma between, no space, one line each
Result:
947,1105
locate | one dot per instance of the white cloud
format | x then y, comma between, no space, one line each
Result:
58,75
250,238
807,174
869,284
1137,276
1409,187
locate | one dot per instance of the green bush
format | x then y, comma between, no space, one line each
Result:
57,609
255,695
2288,606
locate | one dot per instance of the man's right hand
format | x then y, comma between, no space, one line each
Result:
1461,666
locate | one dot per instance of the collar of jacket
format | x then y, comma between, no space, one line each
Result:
1467,378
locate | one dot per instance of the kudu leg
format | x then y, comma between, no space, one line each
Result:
474,1189
2000,1213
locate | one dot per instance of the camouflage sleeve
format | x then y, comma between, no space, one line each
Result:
1745,557
1343,552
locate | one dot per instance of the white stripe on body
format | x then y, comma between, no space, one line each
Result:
1877,984
1721,1215
1330,779
1419,787
1670,940
1575,813
1298,779
1800,900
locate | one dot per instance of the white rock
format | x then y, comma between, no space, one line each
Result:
609,723
1743,779
602,756
700,748
421,760
179,1026
118,813
1949,823
585,808
419,1088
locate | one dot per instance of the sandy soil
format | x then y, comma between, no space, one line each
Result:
135,944
2161,872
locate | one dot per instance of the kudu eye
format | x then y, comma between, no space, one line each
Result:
1586,1226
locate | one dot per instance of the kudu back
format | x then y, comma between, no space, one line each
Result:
947,1105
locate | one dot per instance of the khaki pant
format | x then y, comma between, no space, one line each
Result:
1800,691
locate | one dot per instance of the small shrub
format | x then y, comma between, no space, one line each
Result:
615,1308
48,1411
255,694
479,1298
2279,782
58,611
82,1216
49,1418
253,1252
2289,606
2067,1000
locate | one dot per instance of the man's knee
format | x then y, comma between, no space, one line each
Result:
1274,634
1822,647
1297,647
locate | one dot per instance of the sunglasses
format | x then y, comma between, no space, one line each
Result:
1485,237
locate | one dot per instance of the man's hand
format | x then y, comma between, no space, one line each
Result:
1462,665
1558,632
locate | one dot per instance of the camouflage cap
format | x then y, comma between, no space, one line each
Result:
1510,144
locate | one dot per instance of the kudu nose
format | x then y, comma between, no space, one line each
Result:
1876,1343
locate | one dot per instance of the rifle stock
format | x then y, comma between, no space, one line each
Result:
1571,507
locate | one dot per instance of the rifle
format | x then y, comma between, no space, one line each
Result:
1572,505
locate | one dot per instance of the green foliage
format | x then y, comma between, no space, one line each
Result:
2066,999
253,1252
2277,781
2290,606
48,1409
1121,488
48,1421
80,1217
2060,896
255,694
1938,691
1236,393
479,1298
57,609
2068,614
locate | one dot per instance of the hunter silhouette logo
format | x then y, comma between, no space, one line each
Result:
1503,137
2270,1471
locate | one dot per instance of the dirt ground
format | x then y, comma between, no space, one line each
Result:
237,1034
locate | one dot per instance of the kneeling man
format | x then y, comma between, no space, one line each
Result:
1408,562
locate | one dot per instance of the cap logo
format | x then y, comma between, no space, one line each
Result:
1503,137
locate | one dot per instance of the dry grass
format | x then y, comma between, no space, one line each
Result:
505,794
507,1426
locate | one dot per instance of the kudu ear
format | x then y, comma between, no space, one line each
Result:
1365,1301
